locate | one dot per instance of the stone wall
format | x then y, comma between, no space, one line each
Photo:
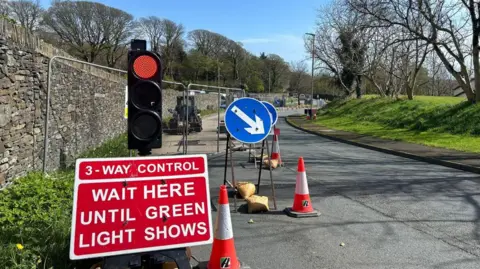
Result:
86,106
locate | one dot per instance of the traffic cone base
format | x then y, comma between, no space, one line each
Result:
224,259
204,265
295,214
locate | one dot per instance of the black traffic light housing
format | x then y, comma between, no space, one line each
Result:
144,98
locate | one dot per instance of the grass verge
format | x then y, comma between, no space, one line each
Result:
446,122
35,215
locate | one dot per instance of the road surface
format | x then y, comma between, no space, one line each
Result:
389,211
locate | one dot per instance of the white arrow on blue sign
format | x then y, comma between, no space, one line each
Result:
272,110
248,120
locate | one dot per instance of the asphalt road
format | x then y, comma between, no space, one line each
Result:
390,212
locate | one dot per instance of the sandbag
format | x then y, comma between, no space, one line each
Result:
257,203
265,156
272,163
245,189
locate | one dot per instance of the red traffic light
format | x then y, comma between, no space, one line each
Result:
145,66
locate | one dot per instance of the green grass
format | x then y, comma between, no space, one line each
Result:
35,212
446,122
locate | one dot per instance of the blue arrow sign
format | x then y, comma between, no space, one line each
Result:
272,110
248,120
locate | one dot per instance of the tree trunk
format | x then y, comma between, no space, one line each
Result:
409,91
410,86
234,71
358,89
476,67
464,81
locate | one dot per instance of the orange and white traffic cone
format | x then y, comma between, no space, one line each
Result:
276,150
223,253
302,205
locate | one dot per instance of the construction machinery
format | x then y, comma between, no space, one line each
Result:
175,124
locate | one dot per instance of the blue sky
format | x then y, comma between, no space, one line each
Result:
271,26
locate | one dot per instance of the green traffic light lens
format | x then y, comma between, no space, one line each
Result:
146,126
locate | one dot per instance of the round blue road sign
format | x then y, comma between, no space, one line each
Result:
272,110
248,120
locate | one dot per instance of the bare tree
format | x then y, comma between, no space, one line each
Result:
299,78
27,13
209,44
407,58
85,26
276,72
440,81
117,27
235,54
152,27
444,29
204,41
4,8
341,45
172,39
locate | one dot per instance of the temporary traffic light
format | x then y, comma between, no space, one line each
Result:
144,100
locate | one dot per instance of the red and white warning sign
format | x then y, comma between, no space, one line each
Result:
129,205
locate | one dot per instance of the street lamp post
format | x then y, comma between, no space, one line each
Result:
313,66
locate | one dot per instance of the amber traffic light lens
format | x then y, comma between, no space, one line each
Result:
146,95
145,67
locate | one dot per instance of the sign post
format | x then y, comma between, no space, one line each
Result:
125,110
125,206
248,121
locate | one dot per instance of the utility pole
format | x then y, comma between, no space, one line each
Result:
268,81
313,66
